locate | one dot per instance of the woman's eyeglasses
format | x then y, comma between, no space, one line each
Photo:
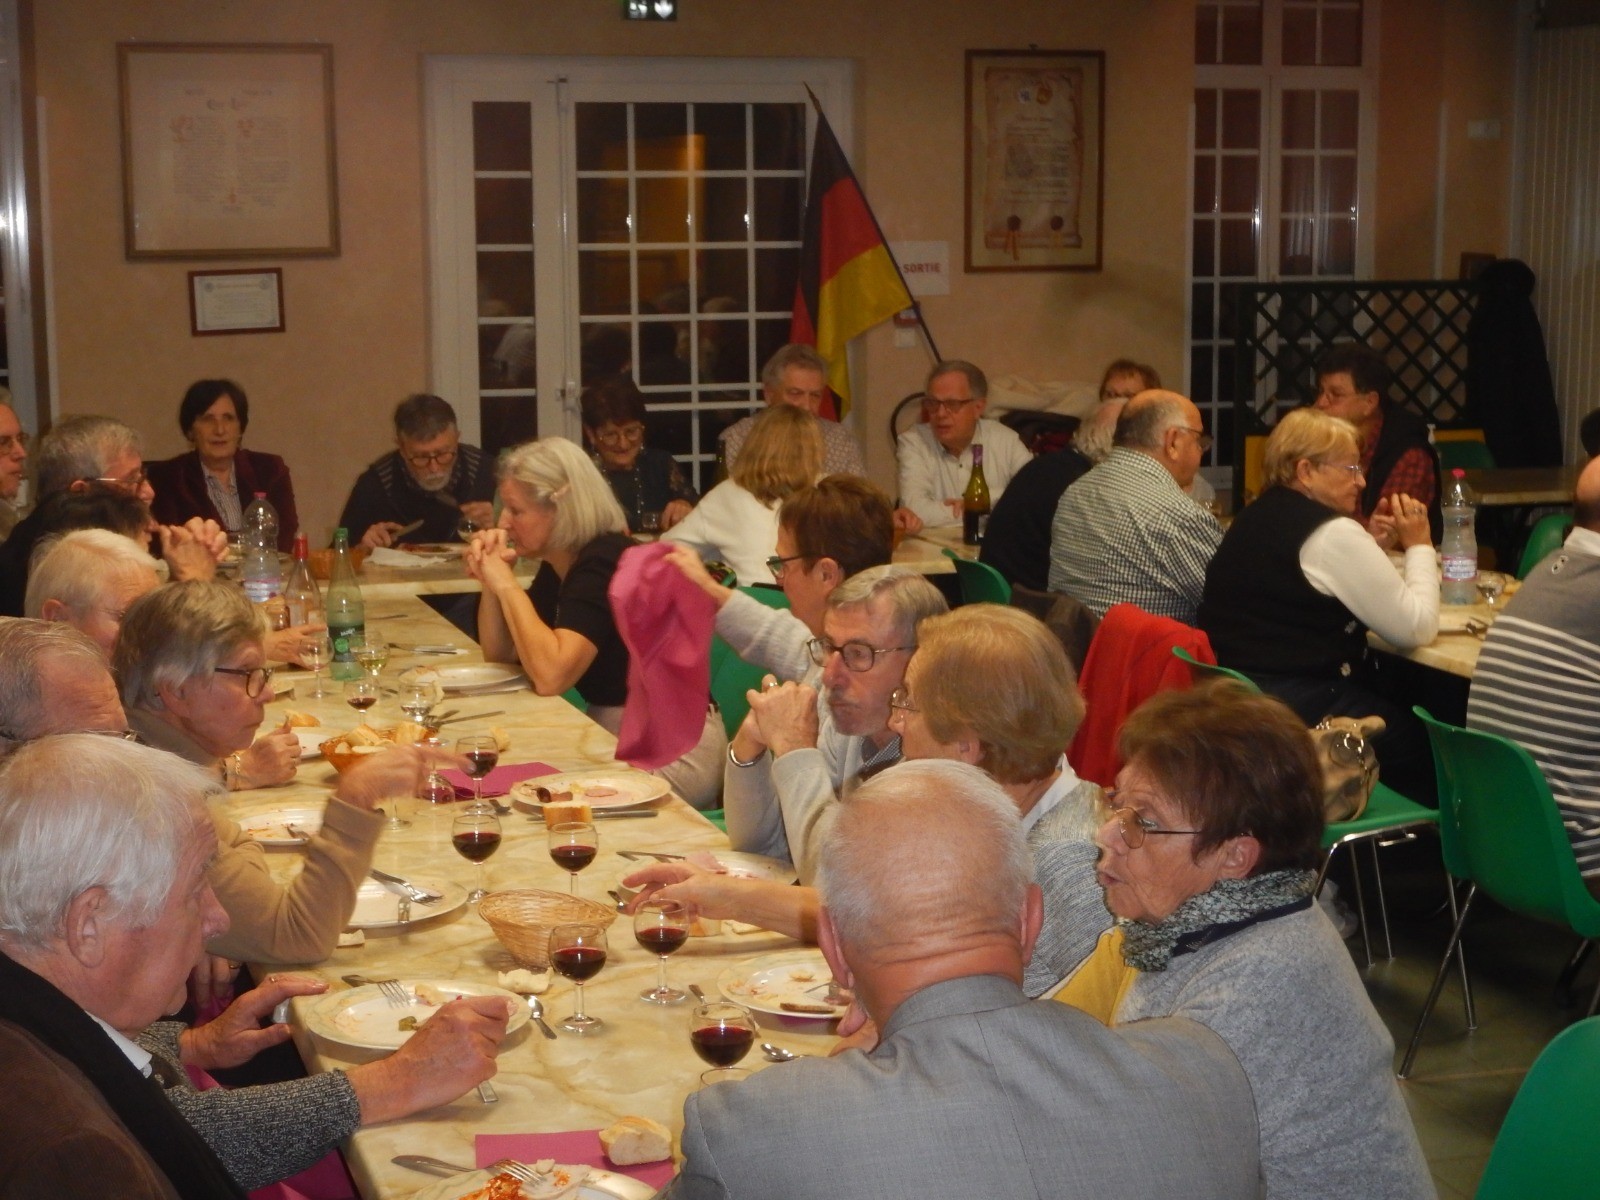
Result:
1135,829
255,678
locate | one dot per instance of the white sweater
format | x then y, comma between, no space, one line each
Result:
731,525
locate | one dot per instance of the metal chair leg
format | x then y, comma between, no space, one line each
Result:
1383,903
1361,903
1438,984
1594,1000
1569,973
1461,957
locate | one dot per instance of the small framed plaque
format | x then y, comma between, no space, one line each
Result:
236,302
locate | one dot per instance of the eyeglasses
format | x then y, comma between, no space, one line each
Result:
901,698
858,656
1201,438
1353,468
778,565
436,456
1135,829
126,735
10,441
131,482
255,678
947,407
620,436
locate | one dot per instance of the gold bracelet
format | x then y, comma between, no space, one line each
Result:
234,778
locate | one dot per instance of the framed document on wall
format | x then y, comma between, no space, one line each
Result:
244,301
228,150
1035,159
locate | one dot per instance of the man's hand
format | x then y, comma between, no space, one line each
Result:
675,511
688,561
451,1052
907,522
479,512
271,759
380,534
289,645
785,715
186,556
955,506
235,1036
396,771
210,535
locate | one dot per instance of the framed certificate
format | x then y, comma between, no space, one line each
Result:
228,151
1035,163
235,302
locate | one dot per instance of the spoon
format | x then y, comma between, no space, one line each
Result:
779,1054
536,1011
698,994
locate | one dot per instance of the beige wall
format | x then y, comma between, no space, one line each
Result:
356,337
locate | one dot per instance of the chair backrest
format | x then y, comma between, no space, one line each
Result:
980,583
1071,621
731,676
1499,827
1547,1147
1202,670
1546,535
1467,454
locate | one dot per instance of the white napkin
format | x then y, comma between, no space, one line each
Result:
385,556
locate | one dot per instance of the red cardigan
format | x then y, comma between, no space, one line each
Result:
181,491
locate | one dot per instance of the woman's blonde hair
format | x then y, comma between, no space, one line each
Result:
1306,433
1001,675
558,474
782,454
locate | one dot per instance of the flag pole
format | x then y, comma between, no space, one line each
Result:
916,304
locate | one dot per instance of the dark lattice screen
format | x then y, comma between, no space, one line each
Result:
1420,327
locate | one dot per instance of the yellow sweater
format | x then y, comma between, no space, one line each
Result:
1101,980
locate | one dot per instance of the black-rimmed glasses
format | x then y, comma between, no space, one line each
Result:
255,678
777,565
441,457
947,407
858,656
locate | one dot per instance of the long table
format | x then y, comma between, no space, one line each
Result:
641,1063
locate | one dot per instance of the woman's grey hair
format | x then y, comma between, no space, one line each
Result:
79,569
1145,424
26,646
79,811
558,474
795,354
179,632
80,448
1094,436
911,597
977,381
882,875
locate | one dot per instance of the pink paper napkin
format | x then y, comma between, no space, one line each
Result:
498,781
577,1147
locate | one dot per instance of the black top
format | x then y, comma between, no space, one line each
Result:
386,491
1017,543
580,603
1259,610
14,559
1402,431
654,481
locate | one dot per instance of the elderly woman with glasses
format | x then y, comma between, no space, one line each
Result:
648,483
1208,862
1297,582
737,522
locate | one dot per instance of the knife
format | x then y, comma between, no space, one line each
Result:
493,712
611,814
393,882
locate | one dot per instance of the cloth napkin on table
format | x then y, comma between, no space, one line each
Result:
666,622
498,781
384,556
577,1147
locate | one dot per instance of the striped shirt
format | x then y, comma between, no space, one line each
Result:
841,453
1538,683
1126,533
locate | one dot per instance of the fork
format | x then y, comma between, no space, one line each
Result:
394,992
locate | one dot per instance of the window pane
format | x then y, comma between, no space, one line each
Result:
659,359
1341,36
1299,37
1299,183
1205,250
507,421
1340,111
502,136
780,135
661,137
725,351
1299,120
607,349
1294,251
603,210
1338,184
1205,34
663,210
603,282
722,275
1205,184
1338,247
669,431
1241,120
775,275
723,210
1241,34
602,133
720,128
1238,248
1205,119
770,335
1200,375
664,278
712,422
1239,176
778,205
1226,311
1202,310
508,355
505,283
504,211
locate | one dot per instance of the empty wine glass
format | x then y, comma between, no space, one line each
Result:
481,752
722,1034
466,527
417,701
475,833
316,652
1490,586
662,927
578,951
361,694
573,845
436,789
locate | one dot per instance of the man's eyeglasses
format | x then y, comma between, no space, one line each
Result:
126,735
625,435
858,656
1201,438
10,441
255,678
778,565
901,698
130,483
947,407
442,457
1135,829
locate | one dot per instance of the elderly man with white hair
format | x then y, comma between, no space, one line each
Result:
973,1090
105,901
88,578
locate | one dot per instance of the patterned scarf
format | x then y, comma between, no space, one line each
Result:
1230,905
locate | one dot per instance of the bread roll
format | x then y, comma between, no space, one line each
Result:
634,1140
301,720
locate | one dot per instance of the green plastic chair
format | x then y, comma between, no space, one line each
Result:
1546,535
1388,818
980,583
731,676
1501,833
1469,454
1546,1146
578,702
1199,670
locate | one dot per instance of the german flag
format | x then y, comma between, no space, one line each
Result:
848,279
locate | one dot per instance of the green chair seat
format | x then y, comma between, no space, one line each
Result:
980,583
1546,1146
1387,811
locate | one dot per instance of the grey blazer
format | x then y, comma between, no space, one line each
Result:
977,1091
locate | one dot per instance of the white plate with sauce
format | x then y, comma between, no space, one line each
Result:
362,1017
604,787
294,826
600,1185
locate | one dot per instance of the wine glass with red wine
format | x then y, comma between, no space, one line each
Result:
662,927
722,1034
573,845
578,952
482,752
361,695
475,833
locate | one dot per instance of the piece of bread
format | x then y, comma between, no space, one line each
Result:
635,1140
501,738
301,720
408,733
365,735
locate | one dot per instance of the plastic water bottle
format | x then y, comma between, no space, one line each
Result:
346,614
1459,550
259,568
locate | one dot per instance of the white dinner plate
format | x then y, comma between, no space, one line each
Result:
600,1185
362,1016
621,787
476,675
379,908
311,739
270,827
791,977
751,866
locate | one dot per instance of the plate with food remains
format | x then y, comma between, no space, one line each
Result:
363,1017
556,1182
605,787
294,826
794,983
379,908
476,675
436,549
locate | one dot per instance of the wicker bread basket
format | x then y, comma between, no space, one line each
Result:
522,920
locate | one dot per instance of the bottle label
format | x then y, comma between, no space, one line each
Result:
1459,568
260,590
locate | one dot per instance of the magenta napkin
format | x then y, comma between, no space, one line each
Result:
498,781
577,1147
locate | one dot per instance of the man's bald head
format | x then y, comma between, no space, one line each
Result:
1168,428
1586,498
53,679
